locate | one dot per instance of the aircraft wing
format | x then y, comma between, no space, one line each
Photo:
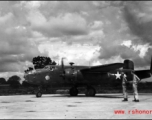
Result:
142,74
102,68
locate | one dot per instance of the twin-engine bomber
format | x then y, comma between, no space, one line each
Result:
73,77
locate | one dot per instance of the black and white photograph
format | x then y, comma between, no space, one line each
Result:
75,59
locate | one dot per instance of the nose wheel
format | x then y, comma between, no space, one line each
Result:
73,91
38,94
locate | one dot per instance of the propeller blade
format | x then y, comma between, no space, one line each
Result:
63,69
62,64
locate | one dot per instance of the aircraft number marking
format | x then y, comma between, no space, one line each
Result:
118,75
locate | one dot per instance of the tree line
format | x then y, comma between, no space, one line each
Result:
13,81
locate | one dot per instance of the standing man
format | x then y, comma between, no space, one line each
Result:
136,80
124,89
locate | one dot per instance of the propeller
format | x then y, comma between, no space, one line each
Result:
62,64
72,68
66,72
63,69
71,63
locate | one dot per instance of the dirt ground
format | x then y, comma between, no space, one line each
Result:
56,106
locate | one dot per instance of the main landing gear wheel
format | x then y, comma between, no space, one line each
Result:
90,91
73,91
39,94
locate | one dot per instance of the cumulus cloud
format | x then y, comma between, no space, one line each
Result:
138,18
86,32
77,53
15,43
62,25
143,49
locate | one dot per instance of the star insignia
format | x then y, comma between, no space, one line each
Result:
118,75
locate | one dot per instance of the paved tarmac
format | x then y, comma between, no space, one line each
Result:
56,106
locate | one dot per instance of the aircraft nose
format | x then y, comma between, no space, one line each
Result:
27,79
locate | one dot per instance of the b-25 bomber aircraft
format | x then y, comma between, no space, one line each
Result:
73,77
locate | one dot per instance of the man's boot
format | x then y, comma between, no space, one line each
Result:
125,99
135,100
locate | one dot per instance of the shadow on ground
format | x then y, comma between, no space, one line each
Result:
97,96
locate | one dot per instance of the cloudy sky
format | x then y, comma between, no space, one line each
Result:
85,32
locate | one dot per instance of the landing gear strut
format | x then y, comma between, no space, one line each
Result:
73,91
39,92
90,91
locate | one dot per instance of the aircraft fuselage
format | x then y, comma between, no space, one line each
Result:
52,78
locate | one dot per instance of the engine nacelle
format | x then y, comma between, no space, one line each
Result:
73,74
128,64
69,73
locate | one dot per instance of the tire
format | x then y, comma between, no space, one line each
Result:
73,91
38,94
90,92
